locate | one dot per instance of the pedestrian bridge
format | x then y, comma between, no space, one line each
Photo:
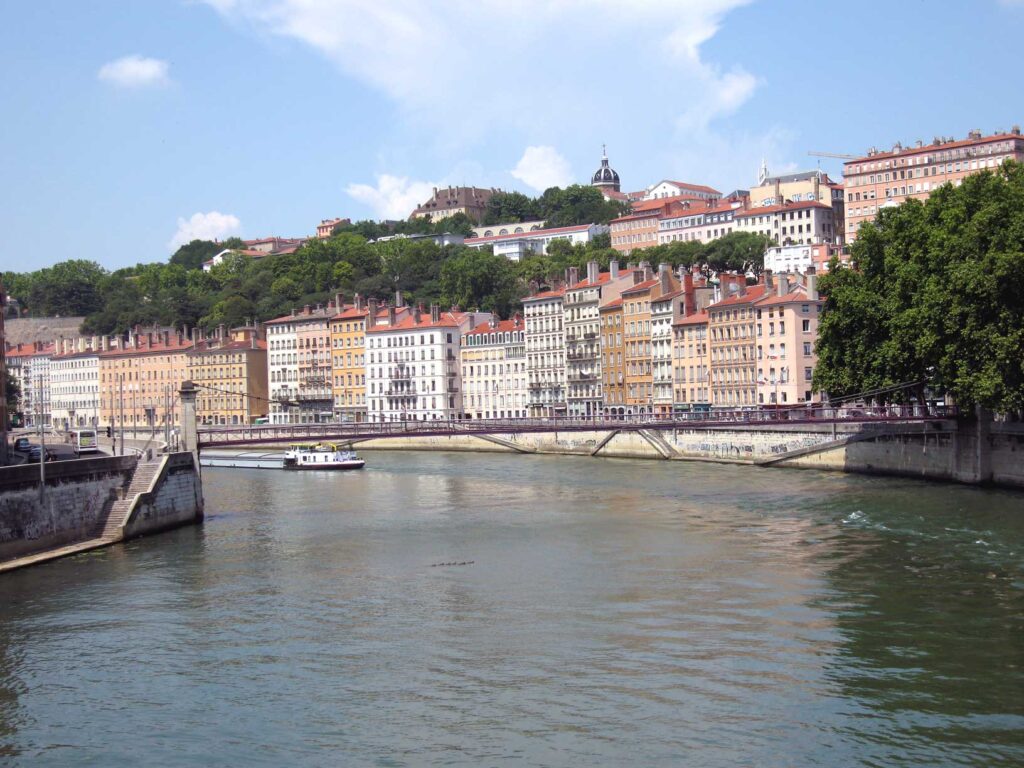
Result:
768,419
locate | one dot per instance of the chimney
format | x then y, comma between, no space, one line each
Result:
391,316
630,266
777,193
93,342
574,276
592,271
812,286
517,320
534,287
689,295
81,344
357,300
398,299
220,332
417,313
371,313
339,301
180,335
783,287
306,310
769,284
648,272
613,269
665,278
167,338
493,322
330,305
435,313
817,186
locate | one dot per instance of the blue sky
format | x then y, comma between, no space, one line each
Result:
130,125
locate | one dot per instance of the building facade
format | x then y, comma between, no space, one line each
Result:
230,371
75,386
517,246
448,201
801,223
544,319
692,362
299,366
787,332
613,379
139,380
493,365
889,178
732,330
413,370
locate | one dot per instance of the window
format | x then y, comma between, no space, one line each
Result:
808,373
806,326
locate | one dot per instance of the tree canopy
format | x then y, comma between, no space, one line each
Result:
936,295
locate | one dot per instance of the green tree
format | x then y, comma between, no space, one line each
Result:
193,254
510,207
937,295
477,279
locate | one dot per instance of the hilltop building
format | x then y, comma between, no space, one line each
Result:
448,201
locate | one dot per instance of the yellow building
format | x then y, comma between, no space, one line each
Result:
140,379
230,371
691,361
612,364
732,338
348,358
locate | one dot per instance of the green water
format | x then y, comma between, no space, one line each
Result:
608,613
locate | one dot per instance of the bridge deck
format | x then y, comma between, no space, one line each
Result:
219,436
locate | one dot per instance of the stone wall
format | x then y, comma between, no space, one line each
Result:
71,509
176,499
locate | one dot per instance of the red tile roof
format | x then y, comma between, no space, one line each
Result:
546,295
658,202
616,304
669,295
785,207
645,285
28,349
931,148
700,318
695,187
753,293
602,278
797,293
408,323
502,326
145,348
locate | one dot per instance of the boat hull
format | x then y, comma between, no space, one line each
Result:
338,466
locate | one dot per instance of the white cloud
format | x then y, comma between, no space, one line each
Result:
543,167
135,72
435,58
394,197
204,226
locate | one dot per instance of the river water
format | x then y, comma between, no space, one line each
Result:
600,612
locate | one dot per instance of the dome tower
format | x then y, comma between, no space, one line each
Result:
605,177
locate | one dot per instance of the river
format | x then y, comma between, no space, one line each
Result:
483,609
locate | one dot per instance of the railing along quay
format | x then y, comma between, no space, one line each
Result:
213,436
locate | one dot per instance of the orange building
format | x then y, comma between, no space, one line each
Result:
640,228
881,179
636,338
691,360
140,376
732,329
613,358
230,371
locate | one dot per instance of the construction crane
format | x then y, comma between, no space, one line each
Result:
836,155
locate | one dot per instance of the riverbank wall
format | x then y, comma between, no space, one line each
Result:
90,503
964,451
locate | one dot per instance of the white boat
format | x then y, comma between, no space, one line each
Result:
321,456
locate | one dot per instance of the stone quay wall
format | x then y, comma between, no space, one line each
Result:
71,509
176,499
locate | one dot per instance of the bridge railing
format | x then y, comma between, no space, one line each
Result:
339,431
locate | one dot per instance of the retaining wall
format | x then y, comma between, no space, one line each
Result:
176,499
71,509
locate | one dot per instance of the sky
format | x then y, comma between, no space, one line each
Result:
132,126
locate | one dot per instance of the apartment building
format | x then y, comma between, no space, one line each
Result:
139,378
613,379
732,329
637,340
805,186
666,310
702,222
544,319
583,333
692,362
516,246
787,331
667,188
299,366
880,178
493,358
797,223
348,355
413,366
229,368
75,384
29,367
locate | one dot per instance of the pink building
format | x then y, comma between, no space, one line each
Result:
787,332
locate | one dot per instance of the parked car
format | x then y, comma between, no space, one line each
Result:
21,444
35,451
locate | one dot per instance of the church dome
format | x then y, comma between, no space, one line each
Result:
605,176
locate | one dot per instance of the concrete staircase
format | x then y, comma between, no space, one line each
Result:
658,443
142,479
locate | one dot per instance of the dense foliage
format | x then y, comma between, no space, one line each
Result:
936,295
576,204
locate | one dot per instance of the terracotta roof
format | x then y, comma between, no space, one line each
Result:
502,326
533,234
667,296
679,212
72,355
695,187
231,346
785,207
658,202
407,323
698,319
932,148
644,286
546,295
753,293
797,293
145,348
616,304
602,278
27,349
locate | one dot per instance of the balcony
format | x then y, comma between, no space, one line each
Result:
581,376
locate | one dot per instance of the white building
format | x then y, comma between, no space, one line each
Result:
29,367
802,223
668,188
494,370
666,310
75,386
583,334
700,222
413,365
544,317
517,246
516,228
